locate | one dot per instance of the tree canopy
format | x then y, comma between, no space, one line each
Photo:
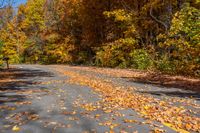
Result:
156,34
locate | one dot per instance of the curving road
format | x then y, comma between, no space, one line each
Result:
39,99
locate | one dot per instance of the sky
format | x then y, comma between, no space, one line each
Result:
18,2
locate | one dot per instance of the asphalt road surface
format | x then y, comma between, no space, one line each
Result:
39,99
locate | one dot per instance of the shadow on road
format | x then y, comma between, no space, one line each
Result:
168,83
194,95
14,81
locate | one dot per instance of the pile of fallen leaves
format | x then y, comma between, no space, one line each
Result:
177,118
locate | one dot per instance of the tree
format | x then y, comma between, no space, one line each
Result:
184,38
118,32
31,18
7,48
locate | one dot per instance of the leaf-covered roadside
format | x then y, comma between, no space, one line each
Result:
150,77
178,118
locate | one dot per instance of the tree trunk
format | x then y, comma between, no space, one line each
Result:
7,64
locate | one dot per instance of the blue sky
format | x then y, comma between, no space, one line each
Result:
18,2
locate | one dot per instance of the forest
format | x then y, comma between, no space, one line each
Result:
157,35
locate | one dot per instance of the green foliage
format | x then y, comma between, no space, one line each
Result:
186,24
82,57
182,44
140,59
124,53
165,65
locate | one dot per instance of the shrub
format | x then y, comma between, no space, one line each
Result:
82,57
165,65
140,59
116,54
59,53
182,43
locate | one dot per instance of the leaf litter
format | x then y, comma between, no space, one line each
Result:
175,117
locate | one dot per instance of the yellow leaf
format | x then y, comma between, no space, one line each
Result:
12,108
175,129
146,107
16,128
129,121
97,116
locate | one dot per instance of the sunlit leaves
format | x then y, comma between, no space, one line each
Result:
119,15
183,40
186,24
34,15
16,128
149,107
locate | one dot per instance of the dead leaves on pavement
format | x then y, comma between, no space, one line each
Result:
176,118
147,77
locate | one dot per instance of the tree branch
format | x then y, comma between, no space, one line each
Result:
157,20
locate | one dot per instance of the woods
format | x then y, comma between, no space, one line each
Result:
100,66
155,35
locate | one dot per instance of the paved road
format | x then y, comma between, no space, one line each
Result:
39,99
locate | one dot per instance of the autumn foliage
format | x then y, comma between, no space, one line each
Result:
156,35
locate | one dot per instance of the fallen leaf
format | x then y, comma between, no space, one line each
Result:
16,129
129,121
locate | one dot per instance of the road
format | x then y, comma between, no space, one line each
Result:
64,99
